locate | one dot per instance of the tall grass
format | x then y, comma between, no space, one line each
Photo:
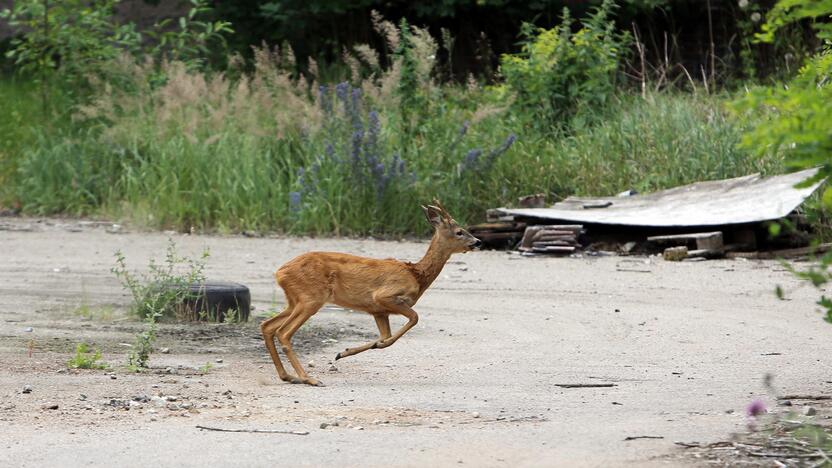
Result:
24,117
272,149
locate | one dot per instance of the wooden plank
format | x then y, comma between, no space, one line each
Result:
495,236
785,253
546,233
548,238
548,243
553,249
497,227
685,237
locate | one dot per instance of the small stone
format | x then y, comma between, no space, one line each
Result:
50,406
165,350
28,329
310,364
170,398
358,428
475,414
158,401
377,422
27,389
785,403
218,360
152,418
82,397
332,368
169,370
809,411
324,425
112,377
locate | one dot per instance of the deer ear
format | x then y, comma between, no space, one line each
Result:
433,215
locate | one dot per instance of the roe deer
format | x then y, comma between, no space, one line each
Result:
378,287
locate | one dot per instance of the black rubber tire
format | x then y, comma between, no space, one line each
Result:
215,299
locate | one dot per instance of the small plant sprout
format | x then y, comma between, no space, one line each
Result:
85,358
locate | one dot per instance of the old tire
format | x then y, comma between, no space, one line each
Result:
217,301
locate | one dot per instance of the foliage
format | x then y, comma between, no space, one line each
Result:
268,148
159,292
799,118
85,358
192,41
67,39
560,74
139,354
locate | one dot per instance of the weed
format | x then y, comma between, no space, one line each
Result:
85,358
160,292
206,368
138,357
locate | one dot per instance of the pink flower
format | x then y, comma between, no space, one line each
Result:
756,408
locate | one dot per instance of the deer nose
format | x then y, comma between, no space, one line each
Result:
477,244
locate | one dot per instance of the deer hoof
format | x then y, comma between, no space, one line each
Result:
296,380
314,382
338,356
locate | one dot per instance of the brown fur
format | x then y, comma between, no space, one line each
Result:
377,287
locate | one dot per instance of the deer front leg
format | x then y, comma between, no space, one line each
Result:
395,306
412,320
383,324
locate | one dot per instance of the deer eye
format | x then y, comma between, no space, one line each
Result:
458,233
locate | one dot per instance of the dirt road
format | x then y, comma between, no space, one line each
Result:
474,384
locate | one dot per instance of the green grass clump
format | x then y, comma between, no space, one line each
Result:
85,358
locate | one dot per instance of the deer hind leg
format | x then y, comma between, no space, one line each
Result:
302,312
268,329
383,324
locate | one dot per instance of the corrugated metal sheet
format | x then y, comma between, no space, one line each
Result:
745,199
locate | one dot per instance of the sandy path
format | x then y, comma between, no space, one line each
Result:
474,384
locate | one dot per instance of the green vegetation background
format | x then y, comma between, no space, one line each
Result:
173,127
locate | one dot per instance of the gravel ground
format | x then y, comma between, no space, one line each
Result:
476,383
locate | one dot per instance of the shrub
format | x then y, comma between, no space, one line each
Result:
560,74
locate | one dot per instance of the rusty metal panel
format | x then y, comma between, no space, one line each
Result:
745,199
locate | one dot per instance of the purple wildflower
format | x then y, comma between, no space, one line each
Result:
294,201
756,408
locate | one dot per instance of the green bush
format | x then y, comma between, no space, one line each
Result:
560,74
798,119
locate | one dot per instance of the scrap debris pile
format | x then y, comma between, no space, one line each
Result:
713,219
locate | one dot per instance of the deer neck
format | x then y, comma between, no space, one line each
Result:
429,267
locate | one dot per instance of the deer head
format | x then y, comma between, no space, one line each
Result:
454,237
